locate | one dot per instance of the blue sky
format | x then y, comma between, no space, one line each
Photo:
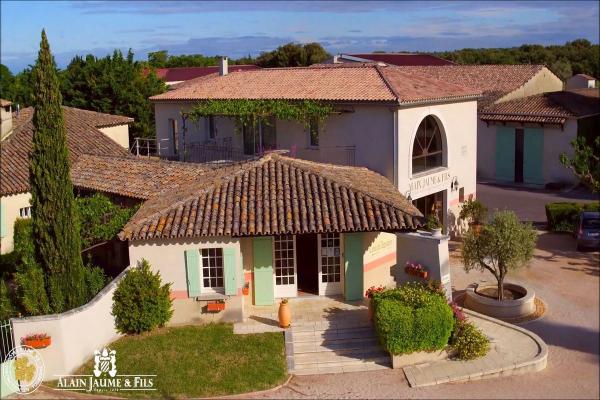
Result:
244,27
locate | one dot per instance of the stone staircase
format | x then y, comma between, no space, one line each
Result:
330,347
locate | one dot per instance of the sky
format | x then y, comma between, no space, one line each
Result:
240,28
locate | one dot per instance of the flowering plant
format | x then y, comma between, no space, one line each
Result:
36,336
374,290
414,266
459,315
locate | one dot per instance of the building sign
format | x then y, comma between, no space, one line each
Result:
430,181
104,377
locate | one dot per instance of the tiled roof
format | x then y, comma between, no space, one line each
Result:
187,73
404,58
548,108
83,137
494,81
586,76
355,82
135,177
274,195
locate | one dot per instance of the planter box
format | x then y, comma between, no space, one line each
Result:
38,343
215,307
419,357
414,272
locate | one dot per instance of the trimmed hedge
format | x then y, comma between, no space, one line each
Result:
412,318
562,216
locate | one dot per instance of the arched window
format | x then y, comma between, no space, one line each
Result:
427,147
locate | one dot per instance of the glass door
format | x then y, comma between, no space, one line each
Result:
331,276
284,273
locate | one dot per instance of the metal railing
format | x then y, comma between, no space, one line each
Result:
7,342
143,147
215,154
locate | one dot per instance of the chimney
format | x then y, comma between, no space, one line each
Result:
223,66
6,125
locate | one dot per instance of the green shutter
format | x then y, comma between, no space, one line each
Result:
505,154
353,266
3,225
533,156
192,269
264,292
230,272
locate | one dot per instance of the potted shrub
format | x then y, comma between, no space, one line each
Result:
284,314
37,341
475,213
246,289
434,225
416,269
369,294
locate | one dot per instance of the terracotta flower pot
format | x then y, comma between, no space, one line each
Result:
285,314
245,291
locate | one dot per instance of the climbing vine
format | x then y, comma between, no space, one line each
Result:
247,112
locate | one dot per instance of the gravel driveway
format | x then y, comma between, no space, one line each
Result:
568,282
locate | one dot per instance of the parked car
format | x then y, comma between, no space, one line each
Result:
588,230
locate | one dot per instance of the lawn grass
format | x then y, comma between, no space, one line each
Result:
200,361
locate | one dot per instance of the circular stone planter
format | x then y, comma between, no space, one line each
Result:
518,308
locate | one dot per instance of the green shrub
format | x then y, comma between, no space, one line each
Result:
8,264
473,210
29,277
141,302
562,216
7,307
469,342
412,318
95,280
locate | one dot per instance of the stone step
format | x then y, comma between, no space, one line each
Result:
331,334
325,325
335,345
369,364
340,356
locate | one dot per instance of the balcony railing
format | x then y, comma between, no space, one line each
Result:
224,153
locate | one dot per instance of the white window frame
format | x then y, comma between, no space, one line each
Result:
287,290
25,212
331,288
211,289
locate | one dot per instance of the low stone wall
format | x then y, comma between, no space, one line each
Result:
419,357
75,333
501,309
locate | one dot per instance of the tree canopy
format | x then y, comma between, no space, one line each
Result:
293,55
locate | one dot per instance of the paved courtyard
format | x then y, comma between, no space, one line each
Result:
567,281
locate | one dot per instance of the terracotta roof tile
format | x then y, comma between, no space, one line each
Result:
274,195
360,82
494,81
549,108
83,137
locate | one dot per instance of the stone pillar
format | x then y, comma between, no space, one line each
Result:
429,251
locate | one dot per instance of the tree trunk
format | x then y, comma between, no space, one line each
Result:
501,288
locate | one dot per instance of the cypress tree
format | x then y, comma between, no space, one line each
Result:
54,218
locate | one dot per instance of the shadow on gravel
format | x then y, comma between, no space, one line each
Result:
558,248
568,336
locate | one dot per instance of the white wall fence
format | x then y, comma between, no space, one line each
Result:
75,334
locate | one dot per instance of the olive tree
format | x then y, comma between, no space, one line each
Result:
501,246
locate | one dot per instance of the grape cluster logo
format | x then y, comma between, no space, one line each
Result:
23,369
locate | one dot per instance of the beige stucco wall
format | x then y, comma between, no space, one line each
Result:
10,212
543,81
379,259
5,121
118,133
75,334
556,141
167,256
459,124
430,252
